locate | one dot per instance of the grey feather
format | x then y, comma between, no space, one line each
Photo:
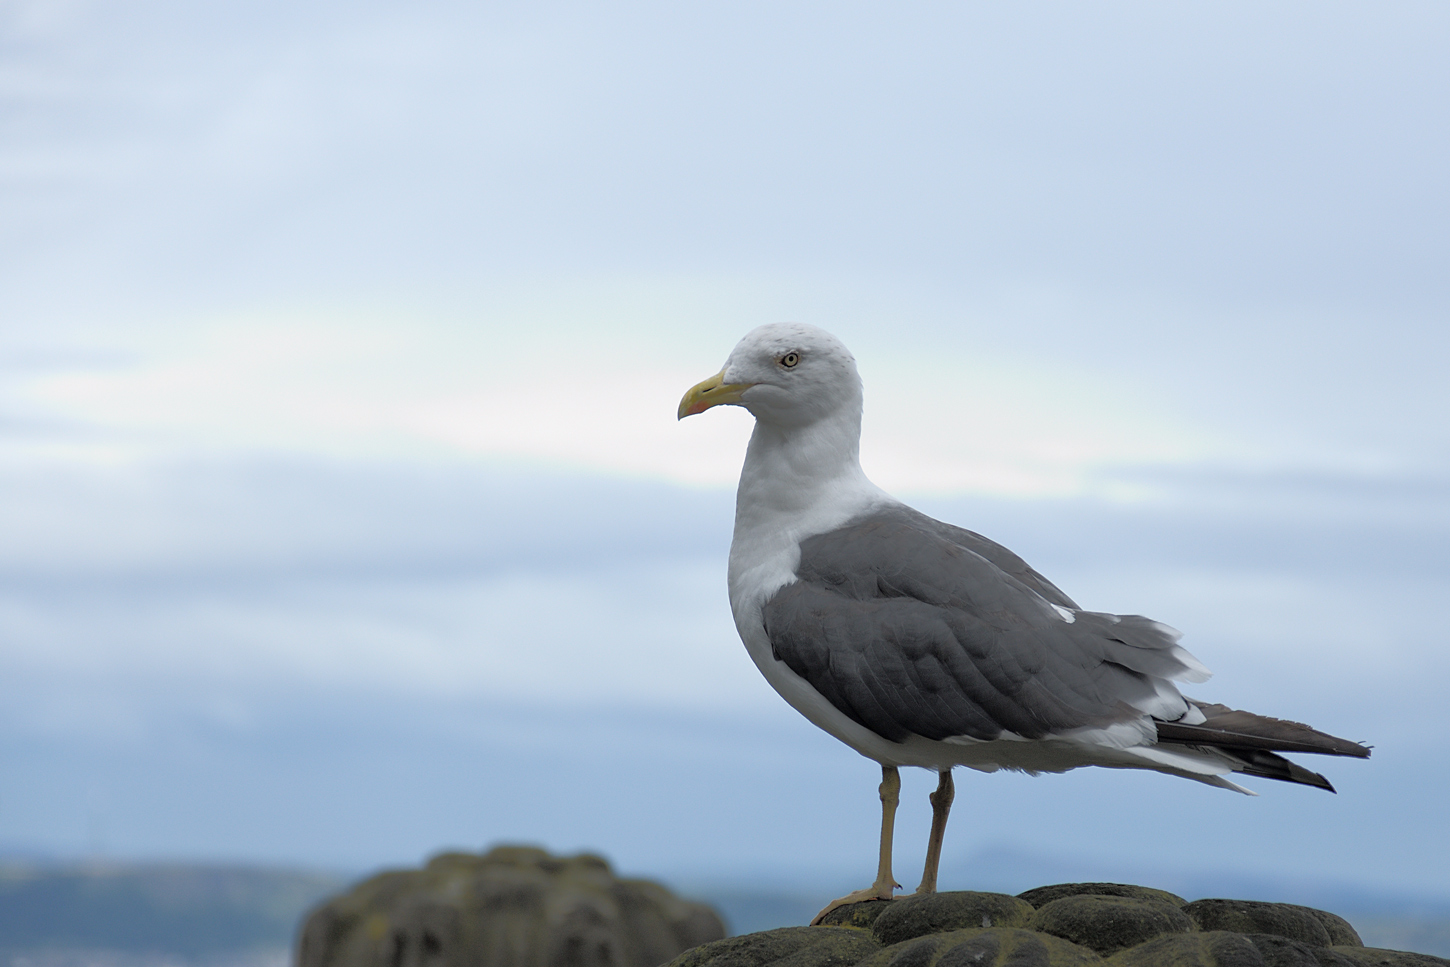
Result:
913,627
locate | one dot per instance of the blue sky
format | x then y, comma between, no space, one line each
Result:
345,516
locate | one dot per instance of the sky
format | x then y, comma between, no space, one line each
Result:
344,515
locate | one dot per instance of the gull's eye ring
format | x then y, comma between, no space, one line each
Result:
790,359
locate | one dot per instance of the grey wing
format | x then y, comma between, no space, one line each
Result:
908,632
1007,561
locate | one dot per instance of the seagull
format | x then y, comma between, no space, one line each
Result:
918,643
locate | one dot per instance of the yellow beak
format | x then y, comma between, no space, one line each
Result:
712,392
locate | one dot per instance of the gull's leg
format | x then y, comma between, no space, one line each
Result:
941,804
890,791
885,884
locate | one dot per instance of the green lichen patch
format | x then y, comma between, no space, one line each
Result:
785,947
513,907
1214,949
1339,929
1377,957
1108,924
916,915
1043,895
993,947
860,915
1251,916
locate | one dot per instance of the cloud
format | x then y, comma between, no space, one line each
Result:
342,497
235,579
586,374
351,663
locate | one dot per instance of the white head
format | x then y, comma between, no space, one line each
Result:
787,375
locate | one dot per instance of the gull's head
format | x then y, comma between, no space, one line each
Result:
787,374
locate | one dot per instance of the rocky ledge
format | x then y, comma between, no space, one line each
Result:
1067,925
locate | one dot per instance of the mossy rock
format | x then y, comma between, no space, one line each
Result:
1378,957
992,947
513,907
1283,952
1043,895
1220,948
918,915
861,915
785,947
1340,931
1074,925
1305,924
1108,924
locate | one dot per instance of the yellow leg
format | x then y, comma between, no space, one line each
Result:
890,790
885,885
941,805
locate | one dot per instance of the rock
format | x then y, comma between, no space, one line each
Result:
1044,895
861,914
1108,924
994,947
1191,950
1376,957
801,946
914,916
1340,932
513,907
1250,916
1073,925
1283,952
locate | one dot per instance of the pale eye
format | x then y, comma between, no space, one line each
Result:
790,359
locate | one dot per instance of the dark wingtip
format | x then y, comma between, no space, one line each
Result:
1233,729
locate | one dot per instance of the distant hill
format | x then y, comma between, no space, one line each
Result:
186,912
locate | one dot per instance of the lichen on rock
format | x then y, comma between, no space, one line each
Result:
787,947
1043,895
512,907
991,947
1108,924
915,916
1072,925
1305,924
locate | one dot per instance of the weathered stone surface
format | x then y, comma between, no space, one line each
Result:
1250,916
914,916
1108,924
1043,895
1377,957
861,915
786,947
1283,952
1339,929
513,907
1215,949
1074,925
993,947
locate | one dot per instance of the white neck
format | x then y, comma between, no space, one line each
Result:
796,482
791,469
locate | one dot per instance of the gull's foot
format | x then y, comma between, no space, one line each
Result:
860,896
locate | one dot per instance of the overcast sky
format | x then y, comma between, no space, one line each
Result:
343,511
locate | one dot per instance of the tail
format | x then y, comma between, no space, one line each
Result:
1252,740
